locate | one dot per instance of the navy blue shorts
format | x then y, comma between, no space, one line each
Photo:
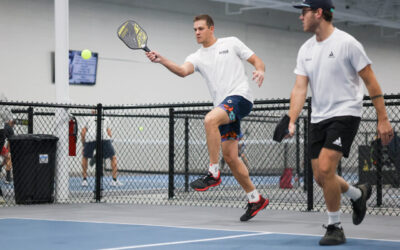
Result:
237,107
89,147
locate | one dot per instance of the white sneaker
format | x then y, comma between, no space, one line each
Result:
2,201
116,183
84,183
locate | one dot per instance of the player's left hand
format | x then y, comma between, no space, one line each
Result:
385,131
291,129
258,77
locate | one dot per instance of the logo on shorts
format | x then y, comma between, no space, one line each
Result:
331,55
338,142
232,116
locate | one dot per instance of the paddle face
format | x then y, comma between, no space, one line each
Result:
282,129
133,35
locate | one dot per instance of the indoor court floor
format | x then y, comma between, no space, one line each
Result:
127,226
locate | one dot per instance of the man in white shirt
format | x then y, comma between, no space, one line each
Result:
333,61
219,61
88,138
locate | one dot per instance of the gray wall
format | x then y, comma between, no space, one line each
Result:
126,77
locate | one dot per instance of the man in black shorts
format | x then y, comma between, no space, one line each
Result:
88,138
333,61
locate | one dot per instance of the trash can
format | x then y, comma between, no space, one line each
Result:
33,158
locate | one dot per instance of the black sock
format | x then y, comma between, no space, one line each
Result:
8,174
115,179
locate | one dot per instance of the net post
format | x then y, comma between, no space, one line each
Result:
171,155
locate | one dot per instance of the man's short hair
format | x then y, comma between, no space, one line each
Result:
327,15
205,17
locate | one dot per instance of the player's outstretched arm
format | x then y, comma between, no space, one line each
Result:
258,74
180,70
297,100
385,130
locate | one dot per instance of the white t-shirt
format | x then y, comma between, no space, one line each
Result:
332,68
91,126
222,67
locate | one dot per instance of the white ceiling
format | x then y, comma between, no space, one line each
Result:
382,13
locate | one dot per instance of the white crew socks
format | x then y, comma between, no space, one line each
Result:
333,217
353,193
214,170
253,196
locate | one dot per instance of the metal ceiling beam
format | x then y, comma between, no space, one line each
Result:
345,15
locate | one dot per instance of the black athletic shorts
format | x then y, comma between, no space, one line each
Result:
89,147
335,133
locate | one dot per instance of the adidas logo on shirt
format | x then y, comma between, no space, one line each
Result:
331,55
338,142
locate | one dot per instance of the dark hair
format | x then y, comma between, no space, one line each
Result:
327,15
205,17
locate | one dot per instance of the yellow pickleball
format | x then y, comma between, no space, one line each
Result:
86,54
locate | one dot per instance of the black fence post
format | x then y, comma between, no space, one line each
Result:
297,151
305,154
309,184
339,168
186,154
30,120
171,155
379,180
285,155
99,152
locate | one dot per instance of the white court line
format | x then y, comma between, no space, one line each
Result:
184,242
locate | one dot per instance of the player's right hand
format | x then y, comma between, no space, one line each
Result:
153,56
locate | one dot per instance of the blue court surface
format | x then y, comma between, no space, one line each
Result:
53,234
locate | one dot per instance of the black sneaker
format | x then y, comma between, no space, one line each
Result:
204,183
360,205
254,208
334,235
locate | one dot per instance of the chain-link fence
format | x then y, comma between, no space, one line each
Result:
160,149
